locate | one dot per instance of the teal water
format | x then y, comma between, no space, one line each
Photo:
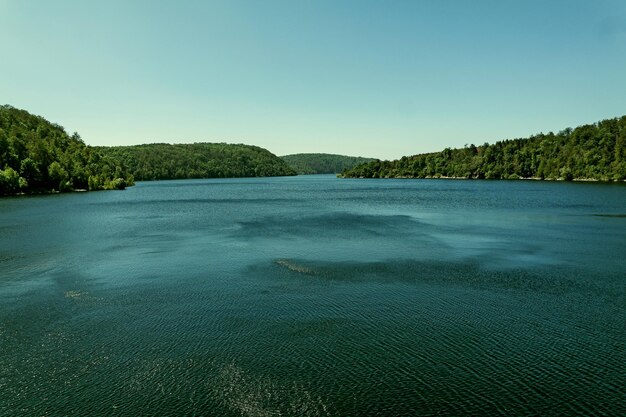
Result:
315,296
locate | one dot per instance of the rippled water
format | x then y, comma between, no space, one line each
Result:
314,296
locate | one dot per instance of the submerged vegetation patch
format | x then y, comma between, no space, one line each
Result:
559,281
295,267
339,224
618,216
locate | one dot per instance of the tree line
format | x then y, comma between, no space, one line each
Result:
162,161
322,163
594,152
39,156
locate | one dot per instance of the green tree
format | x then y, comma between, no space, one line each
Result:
9,181
30,171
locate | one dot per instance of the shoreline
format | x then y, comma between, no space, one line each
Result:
442,177
50,192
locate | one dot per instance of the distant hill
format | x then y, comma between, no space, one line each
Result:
322,163
593,152
39,156
161,161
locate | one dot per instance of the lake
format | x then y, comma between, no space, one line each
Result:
315,296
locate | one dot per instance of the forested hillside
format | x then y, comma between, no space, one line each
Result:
322,163
596,151
39,156
160,161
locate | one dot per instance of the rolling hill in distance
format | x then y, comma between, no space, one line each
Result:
162,161
322,163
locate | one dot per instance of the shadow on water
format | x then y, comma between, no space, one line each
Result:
616,216
560,281
183,201
339,224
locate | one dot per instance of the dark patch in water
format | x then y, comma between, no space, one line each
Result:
205,182
6,258
444,273
611,215
197,201
336,225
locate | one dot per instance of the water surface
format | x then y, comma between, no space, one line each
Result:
315,296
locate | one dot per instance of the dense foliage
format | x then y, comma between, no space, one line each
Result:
322,163
160,161
39,156
596,151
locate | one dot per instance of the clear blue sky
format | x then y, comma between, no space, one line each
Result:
370,78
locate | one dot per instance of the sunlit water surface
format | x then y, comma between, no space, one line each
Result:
315,296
